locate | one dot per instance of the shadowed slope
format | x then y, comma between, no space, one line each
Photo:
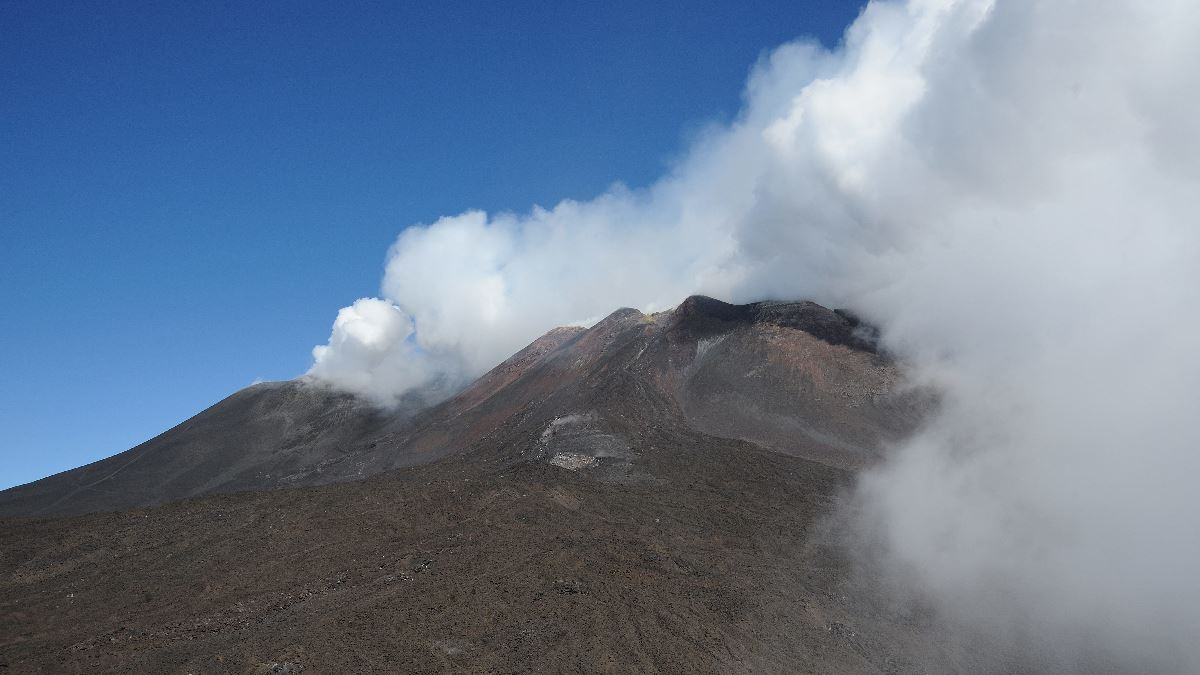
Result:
266,435
269,435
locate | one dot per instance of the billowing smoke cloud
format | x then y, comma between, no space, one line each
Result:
370,353
1010,190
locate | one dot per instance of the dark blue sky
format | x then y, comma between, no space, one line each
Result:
189,191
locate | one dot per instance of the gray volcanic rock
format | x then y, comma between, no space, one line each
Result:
792,377
266,435
269,435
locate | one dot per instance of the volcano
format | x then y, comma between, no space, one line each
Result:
643,495
793,377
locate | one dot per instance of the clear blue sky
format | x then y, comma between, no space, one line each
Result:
189,191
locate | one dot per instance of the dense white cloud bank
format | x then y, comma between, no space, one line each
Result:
1010,190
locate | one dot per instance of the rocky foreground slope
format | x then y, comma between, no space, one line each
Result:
647,495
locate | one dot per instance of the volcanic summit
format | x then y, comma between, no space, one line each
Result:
640,496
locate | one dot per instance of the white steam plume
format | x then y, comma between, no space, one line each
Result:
371,353
1010,191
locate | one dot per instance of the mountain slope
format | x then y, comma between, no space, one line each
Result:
255,438
793,377
625,498
796,378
